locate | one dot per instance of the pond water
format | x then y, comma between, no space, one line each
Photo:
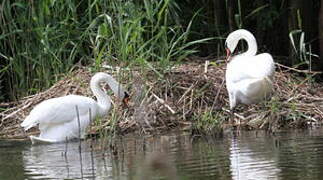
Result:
246,155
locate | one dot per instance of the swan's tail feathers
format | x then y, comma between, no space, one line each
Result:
29,122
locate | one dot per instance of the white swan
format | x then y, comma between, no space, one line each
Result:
57,117
248,76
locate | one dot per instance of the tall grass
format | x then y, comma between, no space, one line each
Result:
302,50
39,41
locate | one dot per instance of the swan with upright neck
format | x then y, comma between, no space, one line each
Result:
67,117
248,76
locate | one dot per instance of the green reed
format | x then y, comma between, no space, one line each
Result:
39,41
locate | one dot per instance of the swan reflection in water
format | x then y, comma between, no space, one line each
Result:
252,162
139,159
50,162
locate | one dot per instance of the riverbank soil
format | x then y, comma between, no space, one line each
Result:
188,96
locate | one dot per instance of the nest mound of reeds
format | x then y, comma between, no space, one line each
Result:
189,96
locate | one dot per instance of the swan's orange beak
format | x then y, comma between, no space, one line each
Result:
125,100
228,54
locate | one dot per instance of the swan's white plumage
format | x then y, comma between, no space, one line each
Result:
57,117
248,76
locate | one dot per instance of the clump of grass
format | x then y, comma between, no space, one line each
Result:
107,128
39,41
302,50
209,121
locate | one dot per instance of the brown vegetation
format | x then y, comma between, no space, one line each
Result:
181,98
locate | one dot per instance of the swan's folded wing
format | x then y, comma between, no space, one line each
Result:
243,68
62,109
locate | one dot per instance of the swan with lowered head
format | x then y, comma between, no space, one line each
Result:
57,117
248,76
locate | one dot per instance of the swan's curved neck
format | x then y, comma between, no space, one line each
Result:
104,101
236,36
252,44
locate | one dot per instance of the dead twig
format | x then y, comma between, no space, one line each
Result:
164,103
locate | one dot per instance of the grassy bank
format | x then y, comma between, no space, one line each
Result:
189,97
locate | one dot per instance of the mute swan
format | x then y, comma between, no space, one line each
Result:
248,76
57,117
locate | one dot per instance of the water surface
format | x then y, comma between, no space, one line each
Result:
246,155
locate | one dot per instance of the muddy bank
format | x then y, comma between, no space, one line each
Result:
189,96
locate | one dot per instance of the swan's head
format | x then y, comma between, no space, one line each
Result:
229,52
121,94
231,44
117,88
125,99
